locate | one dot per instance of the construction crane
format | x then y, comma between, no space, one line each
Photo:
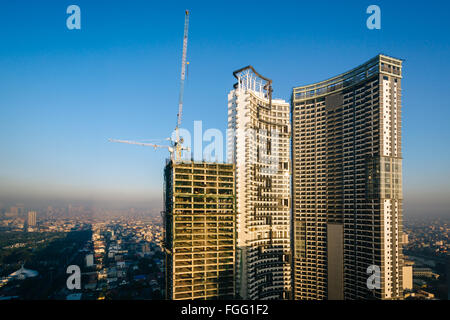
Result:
176,146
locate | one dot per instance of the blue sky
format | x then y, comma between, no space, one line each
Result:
63,92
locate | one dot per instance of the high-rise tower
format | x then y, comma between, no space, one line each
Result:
31,221
200,235
347,184
259,146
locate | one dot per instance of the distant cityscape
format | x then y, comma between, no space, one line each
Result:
427,256
119,253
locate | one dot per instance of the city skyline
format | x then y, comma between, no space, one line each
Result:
85,86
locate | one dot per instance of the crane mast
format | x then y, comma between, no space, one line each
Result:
178,140
142,144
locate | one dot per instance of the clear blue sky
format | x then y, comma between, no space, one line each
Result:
63,92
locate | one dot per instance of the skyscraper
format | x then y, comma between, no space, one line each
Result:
259,146
31,221
347,184
200,233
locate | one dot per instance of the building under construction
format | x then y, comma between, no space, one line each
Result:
200,234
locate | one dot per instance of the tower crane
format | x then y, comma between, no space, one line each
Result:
176,146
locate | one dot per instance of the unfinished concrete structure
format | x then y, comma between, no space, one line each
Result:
200,233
